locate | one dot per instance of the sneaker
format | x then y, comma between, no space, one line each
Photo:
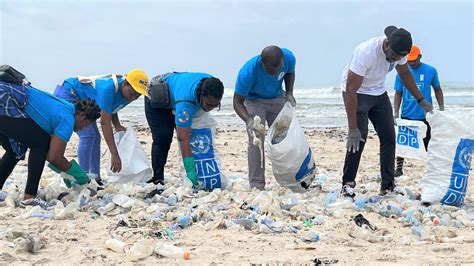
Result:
398,172
156,181
36,202
347,191
394,190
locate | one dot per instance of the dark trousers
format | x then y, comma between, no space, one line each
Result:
162,125
426,140
378,110
30,134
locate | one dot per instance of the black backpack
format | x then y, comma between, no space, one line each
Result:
10,75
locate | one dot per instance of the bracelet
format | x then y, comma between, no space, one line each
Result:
421,99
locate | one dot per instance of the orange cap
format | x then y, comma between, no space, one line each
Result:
186,255
414,53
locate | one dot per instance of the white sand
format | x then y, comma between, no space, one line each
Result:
81,239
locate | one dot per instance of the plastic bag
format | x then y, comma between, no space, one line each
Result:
449,157
292,160
206,157
135,164
410,135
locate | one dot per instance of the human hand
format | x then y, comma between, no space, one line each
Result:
353,140
291,99
116,163
395,117
120,128
425,105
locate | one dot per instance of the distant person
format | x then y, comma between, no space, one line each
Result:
44,126
258,91
365,98
112,93
188,93
425,77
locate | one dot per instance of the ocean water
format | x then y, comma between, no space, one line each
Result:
316,107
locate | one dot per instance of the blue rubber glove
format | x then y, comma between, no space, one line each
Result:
190,167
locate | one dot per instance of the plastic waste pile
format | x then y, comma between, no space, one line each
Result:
311,217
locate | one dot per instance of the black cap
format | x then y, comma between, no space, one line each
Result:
399,40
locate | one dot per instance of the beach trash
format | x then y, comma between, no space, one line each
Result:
141,249
171,251
116,245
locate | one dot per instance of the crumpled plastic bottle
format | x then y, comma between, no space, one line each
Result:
116,245
141,249
171,251
331,197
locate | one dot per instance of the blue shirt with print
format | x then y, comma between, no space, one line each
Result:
104,93
52,114
425,76
183,88
253,82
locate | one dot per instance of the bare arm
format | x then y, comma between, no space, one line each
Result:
353,84
183,135
56,154
439,97
408,81
116,121
239,107
289,82
397,101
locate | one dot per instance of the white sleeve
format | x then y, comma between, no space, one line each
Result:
360,62
402,61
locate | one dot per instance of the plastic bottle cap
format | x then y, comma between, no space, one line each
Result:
186,255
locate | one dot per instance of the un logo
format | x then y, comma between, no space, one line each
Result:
200,144
465,156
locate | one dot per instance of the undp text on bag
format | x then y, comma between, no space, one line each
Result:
410,136
446,176
206,157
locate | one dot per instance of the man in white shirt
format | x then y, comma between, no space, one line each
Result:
365,98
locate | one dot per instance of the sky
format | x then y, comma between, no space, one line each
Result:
50,41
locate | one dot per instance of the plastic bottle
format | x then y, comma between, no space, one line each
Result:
141,249
248,224
331,198
83,198
360,203
184,220
344,204
445,220
172,200
374,199
116,245
105,209
171,251
3,195
28,244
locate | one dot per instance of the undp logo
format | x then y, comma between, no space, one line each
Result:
200,144
407,137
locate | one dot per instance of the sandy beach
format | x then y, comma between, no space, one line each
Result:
214,239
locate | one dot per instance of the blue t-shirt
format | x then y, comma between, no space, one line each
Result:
425,76
254,83
183,88
104,93
52,114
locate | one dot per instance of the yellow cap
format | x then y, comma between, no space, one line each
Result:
139,80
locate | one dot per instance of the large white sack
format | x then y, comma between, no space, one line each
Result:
206,157
410,135
135,164
292,159
449,157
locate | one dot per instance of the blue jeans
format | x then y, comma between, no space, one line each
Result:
88,151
